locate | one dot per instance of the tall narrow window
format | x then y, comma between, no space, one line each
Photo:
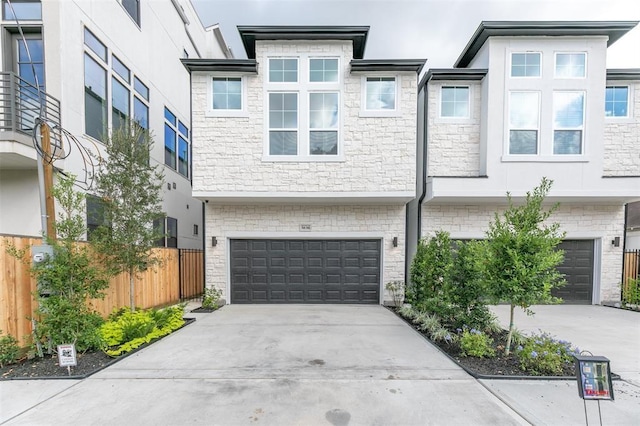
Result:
283,123
524,113
133,9
283,70
525,64
227,93
95,98
454,102
380,93
119,104
323,123
169,139
568,122
183,149
172,232
570,65
96,216
616,101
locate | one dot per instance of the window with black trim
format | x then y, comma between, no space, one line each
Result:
176,143
133,9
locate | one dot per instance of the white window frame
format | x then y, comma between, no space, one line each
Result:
519,52
508,127
303,87
630,111
555,64
364,112
454,118
242,112
580,128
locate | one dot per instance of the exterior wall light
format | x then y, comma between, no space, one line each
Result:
214,241
395,241
616,242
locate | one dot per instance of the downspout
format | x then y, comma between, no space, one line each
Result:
424,158
624,248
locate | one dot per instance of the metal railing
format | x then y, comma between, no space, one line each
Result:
21,103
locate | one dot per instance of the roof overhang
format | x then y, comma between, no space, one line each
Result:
623,74
386,65
355,34
612,29
453,74
247,66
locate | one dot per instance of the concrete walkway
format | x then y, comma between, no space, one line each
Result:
300,365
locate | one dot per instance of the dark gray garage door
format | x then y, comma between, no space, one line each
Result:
305,271
578,270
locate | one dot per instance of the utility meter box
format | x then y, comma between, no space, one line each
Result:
594,377
40,254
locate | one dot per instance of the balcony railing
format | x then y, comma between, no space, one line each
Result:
21,103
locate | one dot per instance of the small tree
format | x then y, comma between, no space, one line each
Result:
430,269
129,186
521,260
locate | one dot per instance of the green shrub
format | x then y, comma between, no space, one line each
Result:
544,355
211,298
631,292
396,288
9,350
476,343
408,312
126,330
430,269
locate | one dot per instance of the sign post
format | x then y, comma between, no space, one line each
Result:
67,356
594,380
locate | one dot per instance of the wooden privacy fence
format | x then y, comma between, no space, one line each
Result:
155,287
630,269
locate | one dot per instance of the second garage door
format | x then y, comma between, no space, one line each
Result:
305,271
578,270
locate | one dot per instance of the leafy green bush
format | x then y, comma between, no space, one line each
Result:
127,330
9,350
396,288
476,343
631,292
430,269
544,355
211,298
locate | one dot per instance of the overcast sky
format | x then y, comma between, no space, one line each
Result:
436,30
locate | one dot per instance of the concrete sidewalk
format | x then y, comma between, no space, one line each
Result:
301,365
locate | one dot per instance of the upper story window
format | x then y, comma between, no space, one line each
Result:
323,123
526,64
616,101
105,74
568,122
133,9
454,102
570,65
283,70
22,10
227,93
524,122
283,123
323,70
176,141
380,93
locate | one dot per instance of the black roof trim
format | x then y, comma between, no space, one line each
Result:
613,29
406,65
224,65
465,74
356,34
623,74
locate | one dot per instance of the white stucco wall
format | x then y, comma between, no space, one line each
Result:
622,137
269,221
579,221
378,153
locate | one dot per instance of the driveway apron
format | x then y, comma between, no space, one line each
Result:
279,365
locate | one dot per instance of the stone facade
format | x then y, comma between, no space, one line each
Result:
378,152
283,221
580,221
622,138
453,144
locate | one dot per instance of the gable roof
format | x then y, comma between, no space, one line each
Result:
613,29
356,34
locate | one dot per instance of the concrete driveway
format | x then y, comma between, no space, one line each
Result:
271,365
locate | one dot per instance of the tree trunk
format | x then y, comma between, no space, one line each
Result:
507,350
132,296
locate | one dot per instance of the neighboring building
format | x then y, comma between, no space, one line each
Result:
305,156
526,100
99,63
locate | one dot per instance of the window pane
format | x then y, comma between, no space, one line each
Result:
568,109
95,45
523,110
323,143
381,93
523,142
570,65
95,214
323,112
183,157
169,116
169,146
172,232
455,102
95,99
141,113
31,63
567,142
120,69
119,104
283,143
22,10
616,99
141,88
283,70
323,70
283,110
183,129
133,9
525,64
227,93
